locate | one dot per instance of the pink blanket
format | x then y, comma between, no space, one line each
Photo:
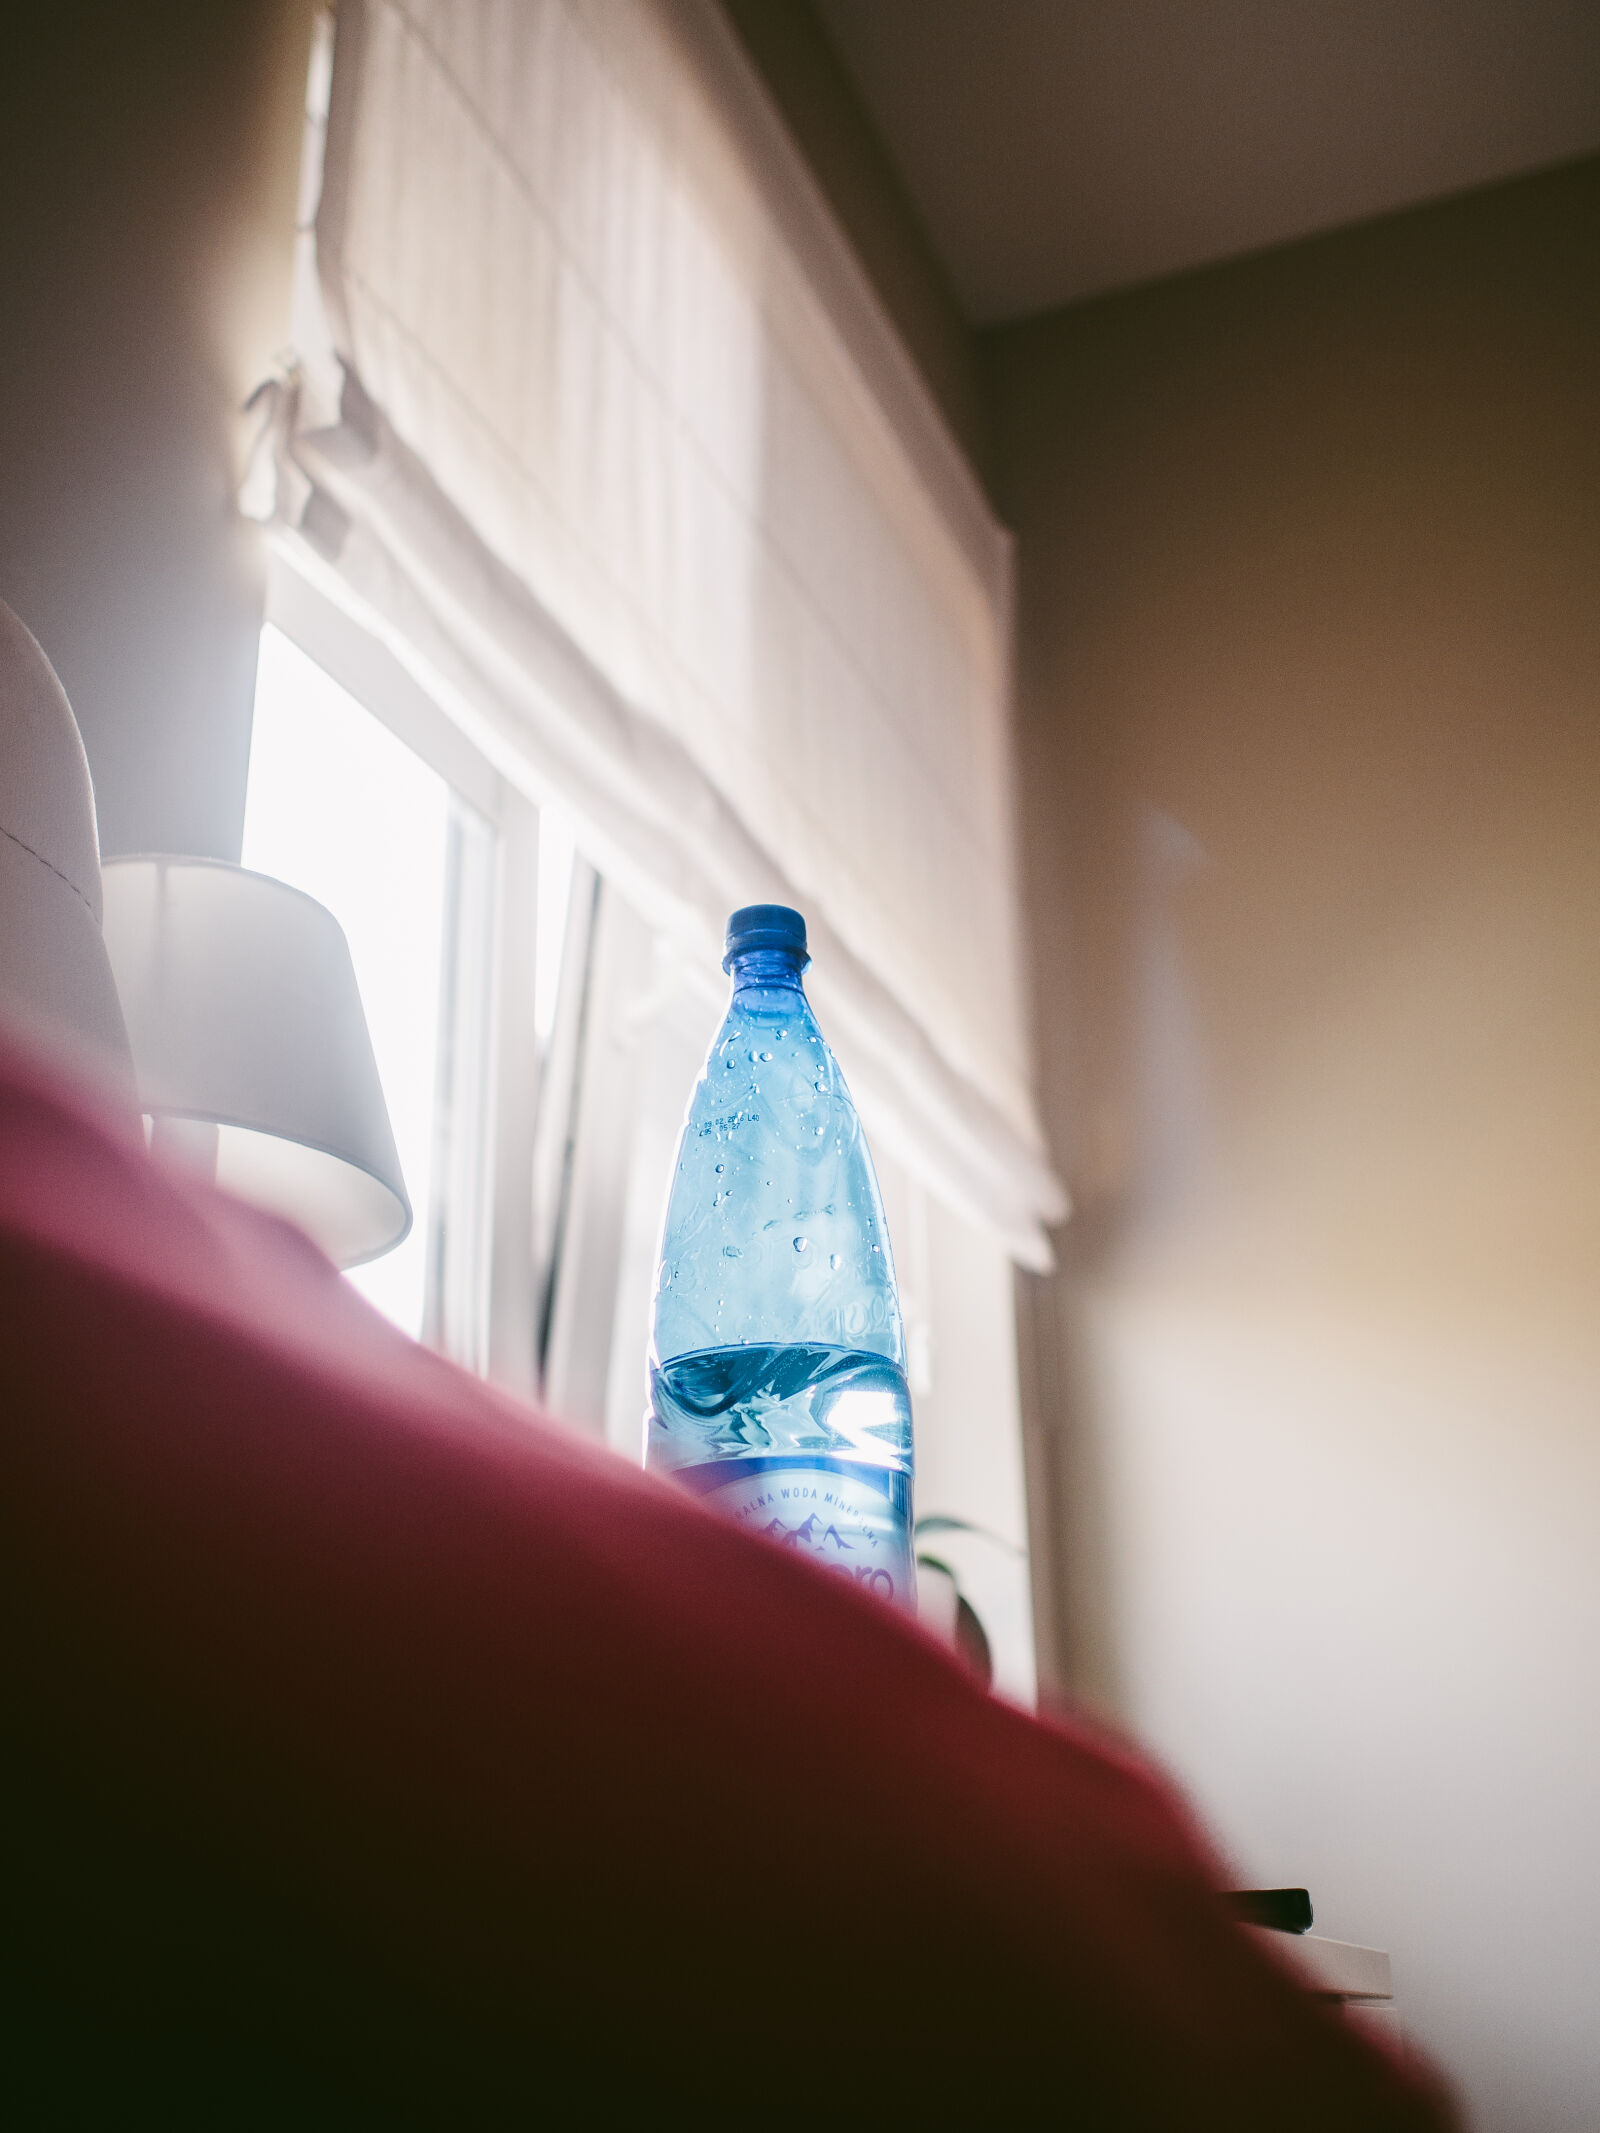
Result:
375,1750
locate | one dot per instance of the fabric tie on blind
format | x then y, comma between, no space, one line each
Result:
631,473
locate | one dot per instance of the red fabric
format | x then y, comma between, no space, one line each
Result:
376,1748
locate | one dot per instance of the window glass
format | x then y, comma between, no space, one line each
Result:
340,808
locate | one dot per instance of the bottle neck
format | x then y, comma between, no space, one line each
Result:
767,970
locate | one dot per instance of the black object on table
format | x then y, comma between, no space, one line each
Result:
1284,1910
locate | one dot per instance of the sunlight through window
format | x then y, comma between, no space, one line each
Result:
341,809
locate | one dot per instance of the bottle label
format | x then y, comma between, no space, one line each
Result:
836,1519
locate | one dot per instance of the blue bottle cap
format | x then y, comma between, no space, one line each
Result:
765,926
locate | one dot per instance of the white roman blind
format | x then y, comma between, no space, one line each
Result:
631,471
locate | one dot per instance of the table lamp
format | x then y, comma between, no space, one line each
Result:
250,1046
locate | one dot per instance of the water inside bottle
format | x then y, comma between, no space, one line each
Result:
807,1444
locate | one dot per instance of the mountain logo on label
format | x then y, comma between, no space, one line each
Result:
806,1535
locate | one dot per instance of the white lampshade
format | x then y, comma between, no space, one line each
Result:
244,1017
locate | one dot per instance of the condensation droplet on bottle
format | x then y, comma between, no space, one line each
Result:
802,1244
732,1251
721,1167
766,1057
835,1261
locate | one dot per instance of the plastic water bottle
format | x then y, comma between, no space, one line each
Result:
777,1357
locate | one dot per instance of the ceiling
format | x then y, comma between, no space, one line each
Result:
1058,148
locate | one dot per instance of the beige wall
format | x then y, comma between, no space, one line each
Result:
1310,745
148,164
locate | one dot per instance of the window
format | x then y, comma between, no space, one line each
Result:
658,527
455,908
339,807
537,1033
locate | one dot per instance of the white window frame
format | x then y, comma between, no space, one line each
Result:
502,1340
